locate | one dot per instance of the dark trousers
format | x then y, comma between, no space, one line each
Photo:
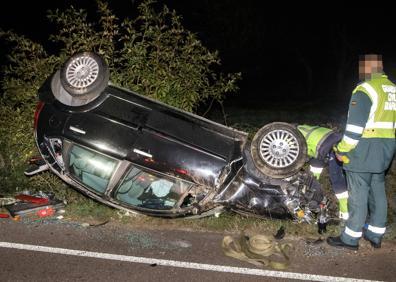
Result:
336,172
366,196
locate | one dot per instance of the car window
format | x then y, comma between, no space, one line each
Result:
148,190
91,168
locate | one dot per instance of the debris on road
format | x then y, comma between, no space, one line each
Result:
37,164
125,214
38,204
86,224
280,234
322,217
4,215
31,199
4,201
320,240
47,211
259,250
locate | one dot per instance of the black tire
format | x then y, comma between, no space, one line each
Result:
84,75
278,150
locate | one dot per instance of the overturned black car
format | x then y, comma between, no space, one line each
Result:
137,154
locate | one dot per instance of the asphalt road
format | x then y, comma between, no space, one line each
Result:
70,252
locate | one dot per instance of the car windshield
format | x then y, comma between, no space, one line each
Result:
91,168
149,190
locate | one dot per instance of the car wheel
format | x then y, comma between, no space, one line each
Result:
278,150
82,79
84,73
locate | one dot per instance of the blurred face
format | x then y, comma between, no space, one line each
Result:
369,65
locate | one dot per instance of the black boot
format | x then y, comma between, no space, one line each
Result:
373,244
337,242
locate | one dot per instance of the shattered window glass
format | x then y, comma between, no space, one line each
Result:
148,190
91,168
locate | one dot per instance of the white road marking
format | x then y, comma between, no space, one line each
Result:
180,264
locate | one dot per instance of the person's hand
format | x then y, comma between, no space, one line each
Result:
342,158
339,157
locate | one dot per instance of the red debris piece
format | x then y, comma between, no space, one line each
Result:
35,159
4,215
31,199
48,211
181,171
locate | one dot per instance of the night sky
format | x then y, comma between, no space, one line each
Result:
284,53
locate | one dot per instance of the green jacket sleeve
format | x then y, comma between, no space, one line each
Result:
358,114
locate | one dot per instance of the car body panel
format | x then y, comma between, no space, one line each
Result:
120,127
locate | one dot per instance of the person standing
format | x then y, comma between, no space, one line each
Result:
367,149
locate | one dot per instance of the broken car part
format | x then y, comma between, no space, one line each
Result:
41,204
322,218
7,201
37,165
31,199
4,215
280,234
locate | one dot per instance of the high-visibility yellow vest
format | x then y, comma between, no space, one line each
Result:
382,118
314,136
